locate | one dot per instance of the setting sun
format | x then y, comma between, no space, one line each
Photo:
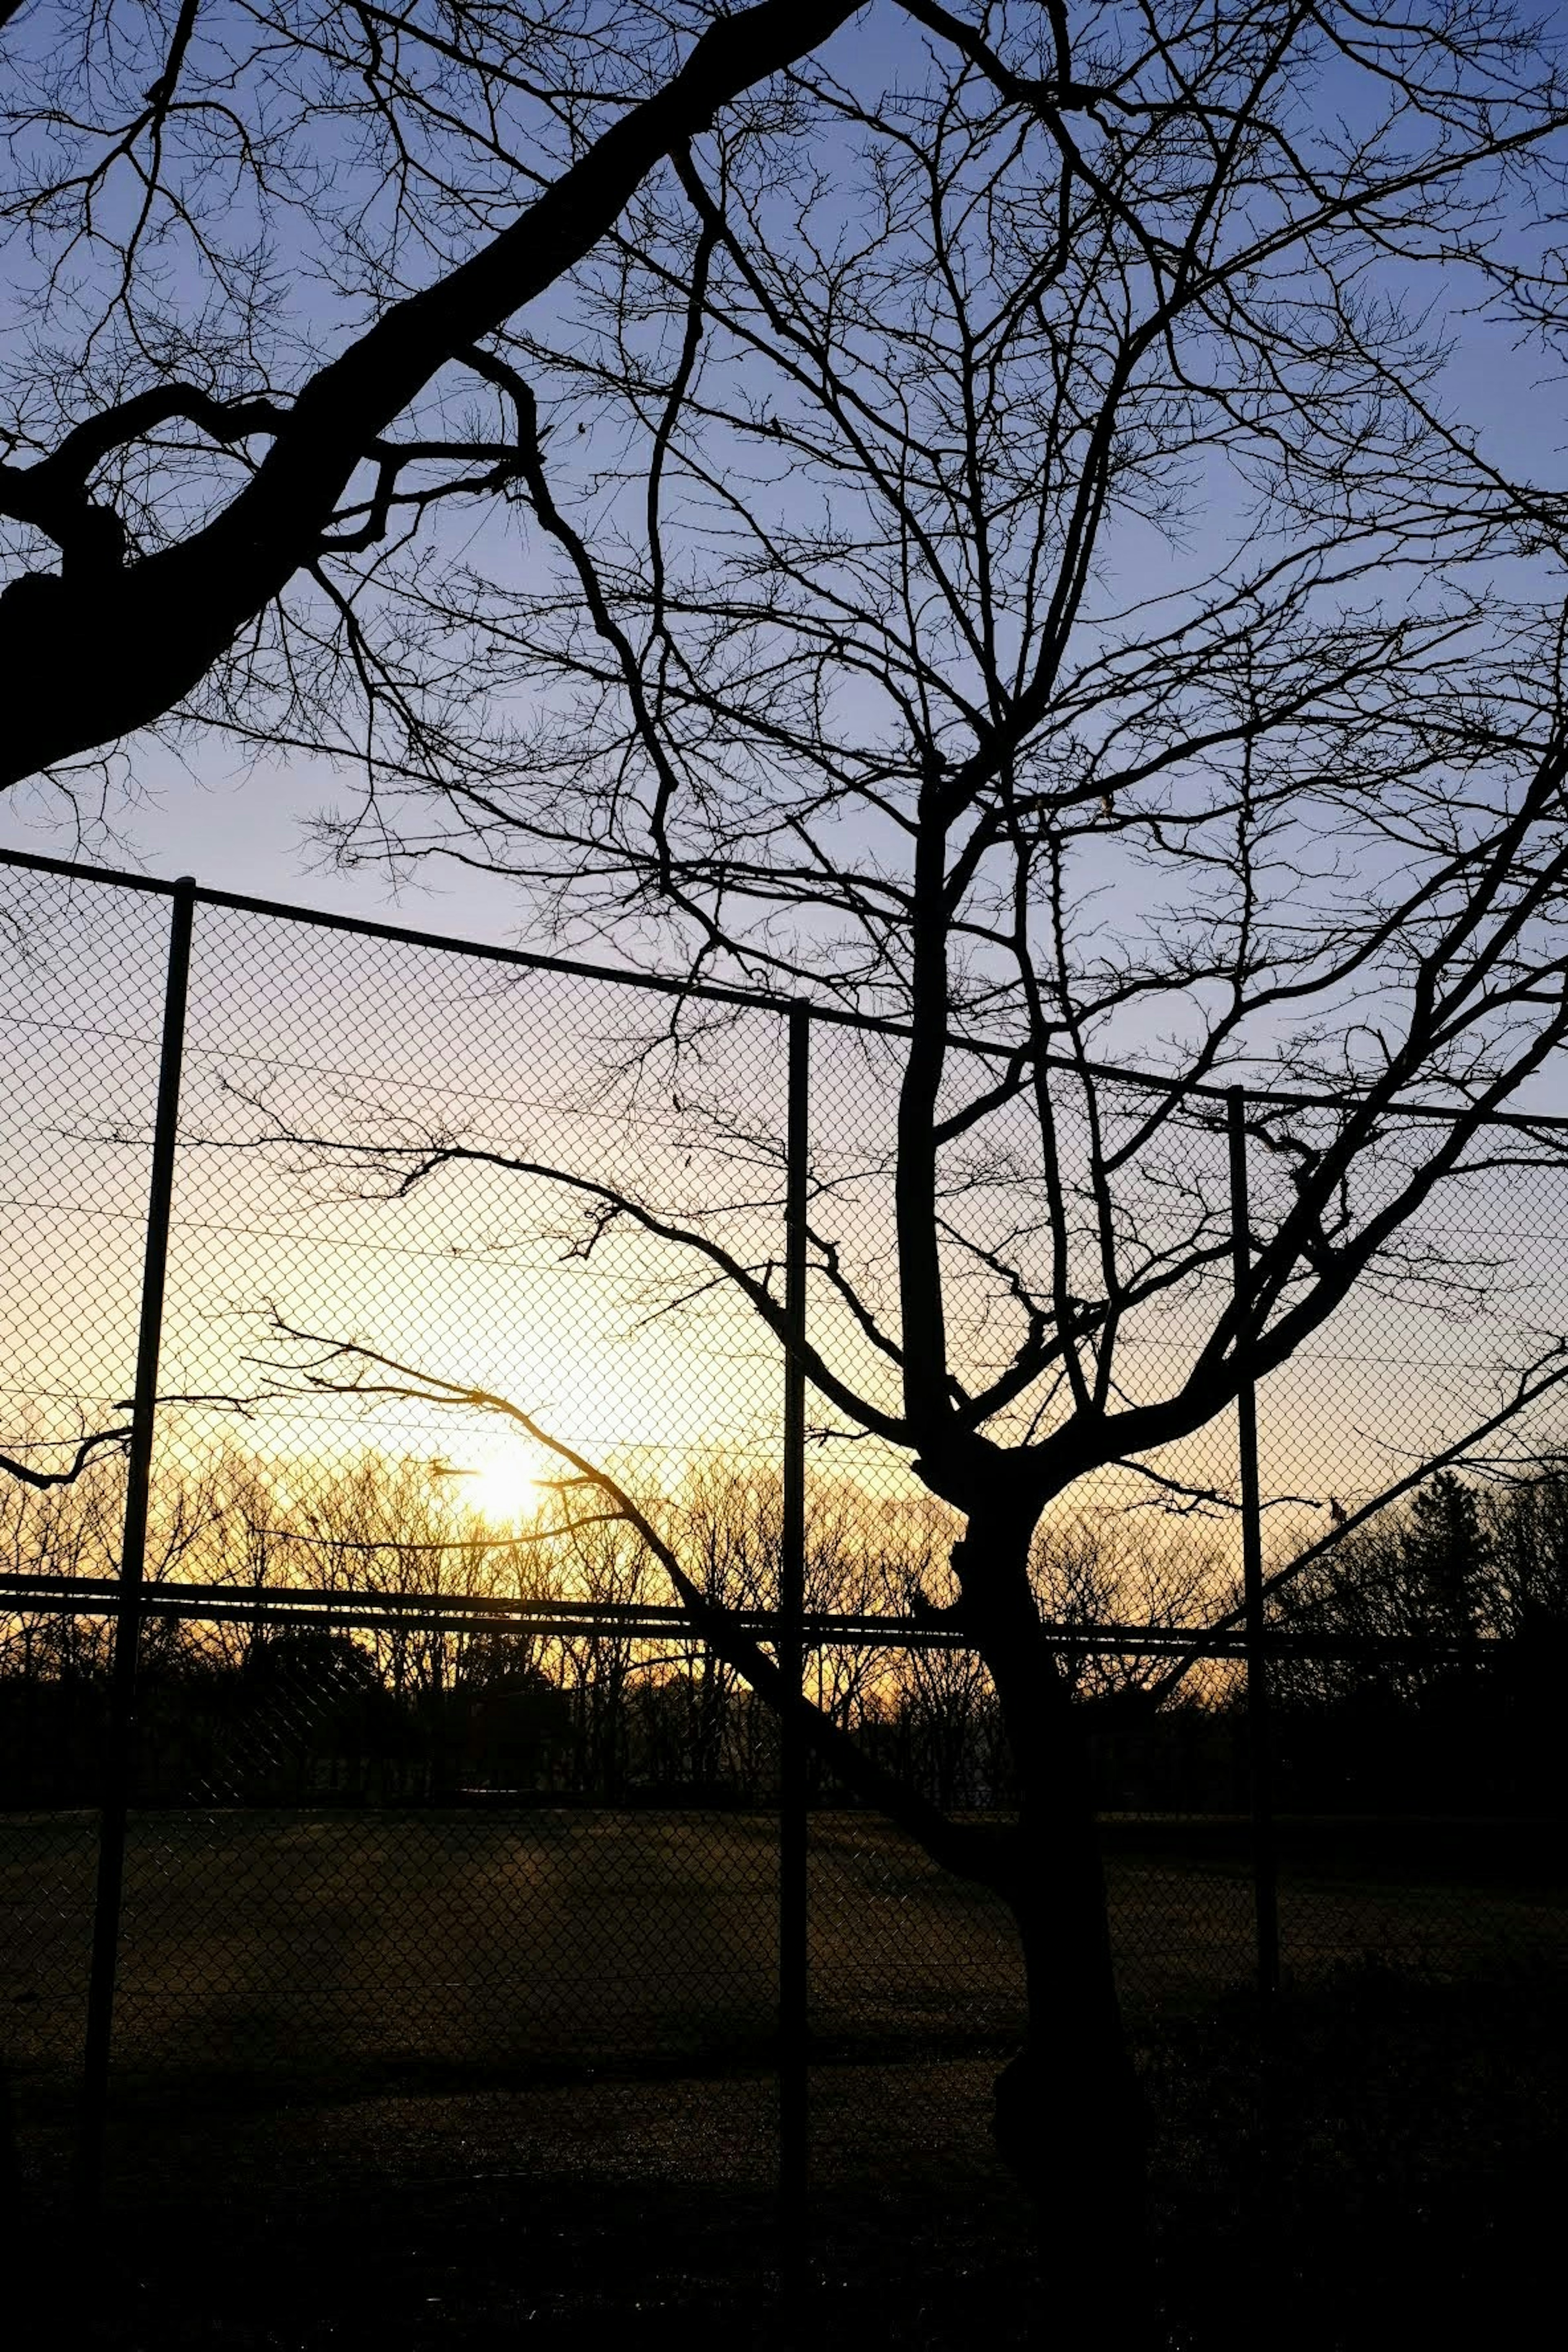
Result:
503,1492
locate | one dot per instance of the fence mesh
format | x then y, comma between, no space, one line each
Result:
434,1787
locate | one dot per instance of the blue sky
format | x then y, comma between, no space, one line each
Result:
247,826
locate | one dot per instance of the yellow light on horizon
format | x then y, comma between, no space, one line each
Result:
503,1492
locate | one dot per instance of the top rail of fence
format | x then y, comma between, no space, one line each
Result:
325,1607
752,1000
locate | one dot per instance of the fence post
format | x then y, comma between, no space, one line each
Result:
120,1747
1259,1739
792,1840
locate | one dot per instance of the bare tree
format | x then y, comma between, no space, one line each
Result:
1020,583
1099,1570
1527,1526
247,244
1028,589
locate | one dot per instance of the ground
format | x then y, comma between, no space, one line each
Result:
1379,2167
424,2080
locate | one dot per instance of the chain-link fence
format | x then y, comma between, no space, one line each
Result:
357,1751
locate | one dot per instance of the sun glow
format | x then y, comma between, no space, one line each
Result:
503,1492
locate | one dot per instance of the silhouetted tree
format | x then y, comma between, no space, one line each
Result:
265,273
1445,1556
1024,585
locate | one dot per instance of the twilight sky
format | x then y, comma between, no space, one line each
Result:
247,826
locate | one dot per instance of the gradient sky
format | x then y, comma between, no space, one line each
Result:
243,827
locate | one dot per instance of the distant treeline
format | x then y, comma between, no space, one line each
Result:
241,1711
1480,1728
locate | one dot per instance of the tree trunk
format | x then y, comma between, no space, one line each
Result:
1069,2119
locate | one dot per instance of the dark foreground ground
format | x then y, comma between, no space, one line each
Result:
1379,2164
